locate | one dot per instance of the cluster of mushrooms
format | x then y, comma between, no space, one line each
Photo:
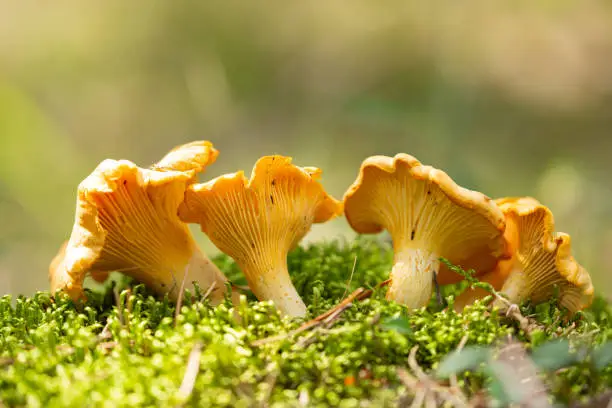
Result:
135,221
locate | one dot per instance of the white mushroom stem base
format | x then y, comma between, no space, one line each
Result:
181,272
412,277
276,286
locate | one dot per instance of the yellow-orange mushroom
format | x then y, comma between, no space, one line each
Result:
541,260
126,221
258,221
428,217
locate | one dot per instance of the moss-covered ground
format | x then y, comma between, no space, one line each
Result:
128,348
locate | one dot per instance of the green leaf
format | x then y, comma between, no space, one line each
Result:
399,324
602,356
459,361
553,355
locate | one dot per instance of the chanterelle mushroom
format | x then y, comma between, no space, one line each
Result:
428,217
258,221
541,260
126,221
98,276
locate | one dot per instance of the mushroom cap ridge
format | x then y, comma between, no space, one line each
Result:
461,196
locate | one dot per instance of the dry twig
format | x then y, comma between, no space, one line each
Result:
512,310
328,318
426,389
179,299
209,290
191,372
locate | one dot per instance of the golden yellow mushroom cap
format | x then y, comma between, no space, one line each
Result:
126,220
258,221
279,203
194,157
542,259
422,207
57,265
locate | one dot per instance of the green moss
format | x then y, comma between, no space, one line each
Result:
52,352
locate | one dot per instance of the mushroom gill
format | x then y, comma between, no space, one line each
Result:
258,221
541,262
126,221
428,217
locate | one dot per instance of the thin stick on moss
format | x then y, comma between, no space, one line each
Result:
413,384
209,290
105,334
430,400
314,322
324,318
414,365
348,283
191,372
526,324
179,299
432,387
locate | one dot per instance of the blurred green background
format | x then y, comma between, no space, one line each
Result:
509,98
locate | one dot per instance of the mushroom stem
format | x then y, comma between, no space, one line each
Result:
275,285
514,286
205,273
412,277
